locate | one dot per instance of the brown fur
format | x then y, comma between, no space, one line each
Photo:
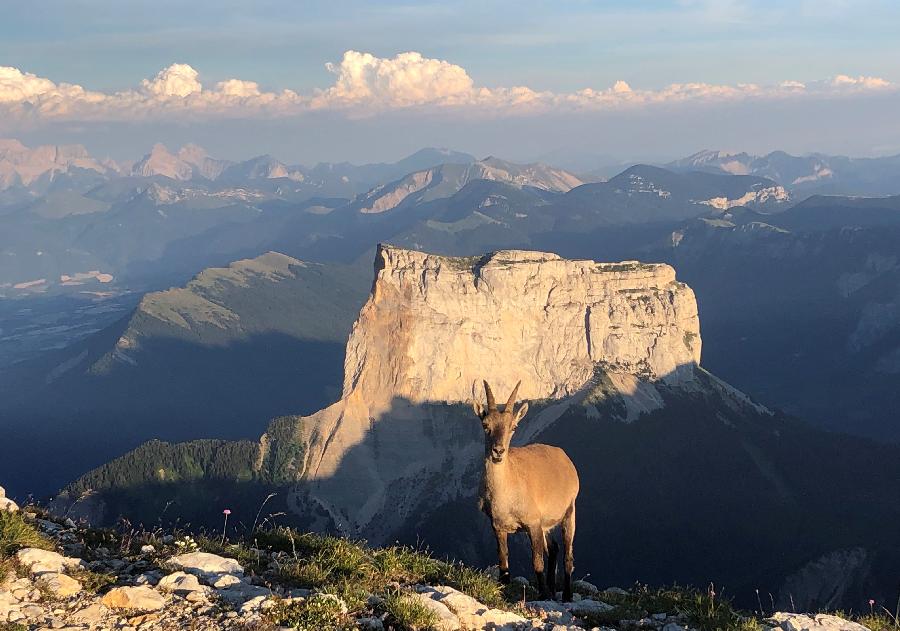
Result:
530,489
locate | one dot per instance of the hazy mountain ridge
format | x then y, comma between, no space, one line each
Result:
813,173
446,180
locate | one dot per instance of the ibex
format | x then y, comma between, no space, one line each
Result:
531,488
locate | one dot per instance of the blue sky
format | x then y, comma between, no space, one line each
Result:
550,47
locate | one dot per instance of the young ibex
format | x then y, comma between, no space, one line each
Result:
531,488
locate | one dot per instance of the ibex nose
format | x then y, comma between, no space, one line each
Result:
498,452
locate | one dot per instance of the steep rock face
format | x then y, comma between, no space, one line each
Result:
435,326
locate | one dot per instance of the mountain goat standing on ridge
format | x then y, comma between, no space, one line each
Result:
531,488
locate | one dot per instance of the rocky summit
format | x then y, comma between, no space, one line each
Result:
158,581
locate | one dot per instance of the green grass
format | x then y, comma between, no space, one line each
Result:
12,626
405,611
312,614
92,582
702,609
16,533
879,622
353,570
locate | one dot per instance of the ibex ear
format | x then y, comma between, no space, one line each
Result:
520,413
479,409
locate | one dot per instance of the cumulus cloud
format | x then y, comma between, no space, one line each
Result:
16,85
239,88
407,79
176,80
364,84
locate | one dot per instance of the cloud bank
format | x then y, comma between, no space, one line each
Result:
365,85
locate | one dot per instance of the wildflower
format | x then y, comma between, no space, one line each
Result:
225,512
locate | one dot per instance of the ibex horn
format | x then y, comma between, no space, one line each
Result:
492,405
512,398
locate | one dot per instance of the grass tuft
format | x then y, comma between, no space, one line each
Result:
16,533
408,613
322,611
879,622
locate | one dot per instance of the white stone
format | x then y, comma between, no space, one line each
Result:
471,613
241,593
446,619
180,583
147,549
206,565
39,561
225,581
587,607
60,584
141,598
819,622
8,506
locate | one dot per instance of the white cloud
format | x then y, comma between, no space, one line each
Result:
867,83
365,84
176,80
17,86
236,87
407,79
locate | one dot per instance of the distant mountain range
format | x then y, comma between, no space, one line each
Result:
804,175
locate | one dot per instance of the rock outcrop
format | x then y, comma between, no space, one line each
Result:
7,504
435,326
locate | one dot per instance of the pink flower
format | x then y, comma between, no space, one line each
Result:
871,602
227,511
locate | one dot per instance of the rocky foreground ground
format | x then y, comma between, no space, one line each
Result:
55,574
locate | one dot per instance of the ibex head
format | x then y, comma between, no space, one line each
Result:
498,426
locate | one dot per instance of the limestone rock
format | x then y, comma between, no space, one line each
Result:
140,598
60,584
7,504
206,565
241,593
446,619
433,323
39,561
181,583
820,622
470,613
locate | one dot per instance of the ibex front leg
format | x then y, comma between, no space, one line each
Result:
503,554
536,534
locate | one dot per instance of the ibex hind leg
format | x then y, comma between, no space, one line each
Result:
552,562
568,534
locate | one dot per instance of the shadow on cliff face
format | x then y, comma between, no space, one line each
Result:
704,488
